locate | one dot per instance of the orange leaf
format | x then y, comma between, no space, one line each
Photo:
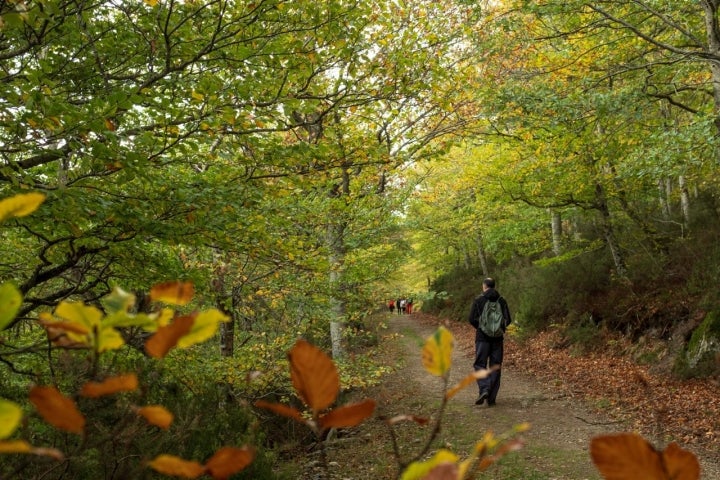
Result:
680,464
167,337
228,461
444,471
281,409
157,415
470,379
348,415
57,410
15,446
313,375
628,456
174,293
176,466
121,383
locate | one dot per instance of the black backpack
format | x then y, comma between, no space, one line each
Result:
492,320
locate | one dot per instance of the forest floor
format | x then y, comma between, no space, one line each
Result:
566,400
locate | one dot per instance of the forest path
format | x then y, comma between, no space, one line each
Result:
562,424
556,447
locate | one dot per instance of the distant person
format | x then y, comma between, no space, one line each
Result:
409,305
490,316
391,305
397,305
403,305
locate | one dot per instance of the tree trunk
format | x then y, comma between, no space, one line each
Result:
664,201
481,255
556,224
609,231
684,201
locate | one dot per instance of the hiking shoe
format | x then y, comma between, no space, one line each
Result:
491,404
481,398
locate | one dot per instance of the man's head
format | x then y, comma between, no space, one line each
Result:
488,283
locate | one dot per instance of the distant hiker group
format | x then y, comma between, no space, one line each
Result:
402,305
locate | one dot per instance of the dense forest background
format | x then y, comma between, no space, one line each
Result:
300,163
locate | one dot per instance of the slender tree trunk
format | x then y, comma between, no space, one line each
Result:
664,201
609,231
337,251
712,30
556,225
222,298
684,200
481,255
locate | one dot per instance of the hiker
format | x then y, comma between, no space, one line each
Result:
409,305
403,305
490,328
391,305
398,303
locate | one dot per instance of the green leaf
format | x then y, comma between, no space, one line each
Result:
10,301
10,416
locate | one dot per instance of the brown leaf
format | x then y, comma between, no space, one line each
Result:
470,379
313,375
174,293
167,337
120,383
57,410
156,415
628,456
680,464
176,466
407,418
348,415
281,409
444,471
228,461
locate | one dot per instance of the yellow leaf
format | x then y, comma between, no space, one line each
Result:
419,470
10,301
10,416
157,415
57,410
79,313
20,205
437,352
203,328
176,466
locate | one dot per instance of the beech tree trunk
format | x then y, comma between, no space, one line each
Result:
556,225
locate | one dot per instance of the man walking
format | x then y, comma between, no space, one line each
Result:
490,328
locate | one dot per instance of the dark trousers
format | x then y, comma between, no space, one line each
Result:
487,354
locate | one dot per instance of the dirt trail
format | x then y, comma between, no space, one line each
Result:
557,445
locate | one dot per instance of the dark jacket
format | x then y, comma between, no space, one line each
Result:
477,308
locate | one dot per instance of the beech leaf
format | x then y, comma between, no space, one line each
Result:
347,415
627,456
157,415
437,352
313,375
281,409
176,466
228,461
57,409
173,293
10,301
20,205
10,416
167,337
120,383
